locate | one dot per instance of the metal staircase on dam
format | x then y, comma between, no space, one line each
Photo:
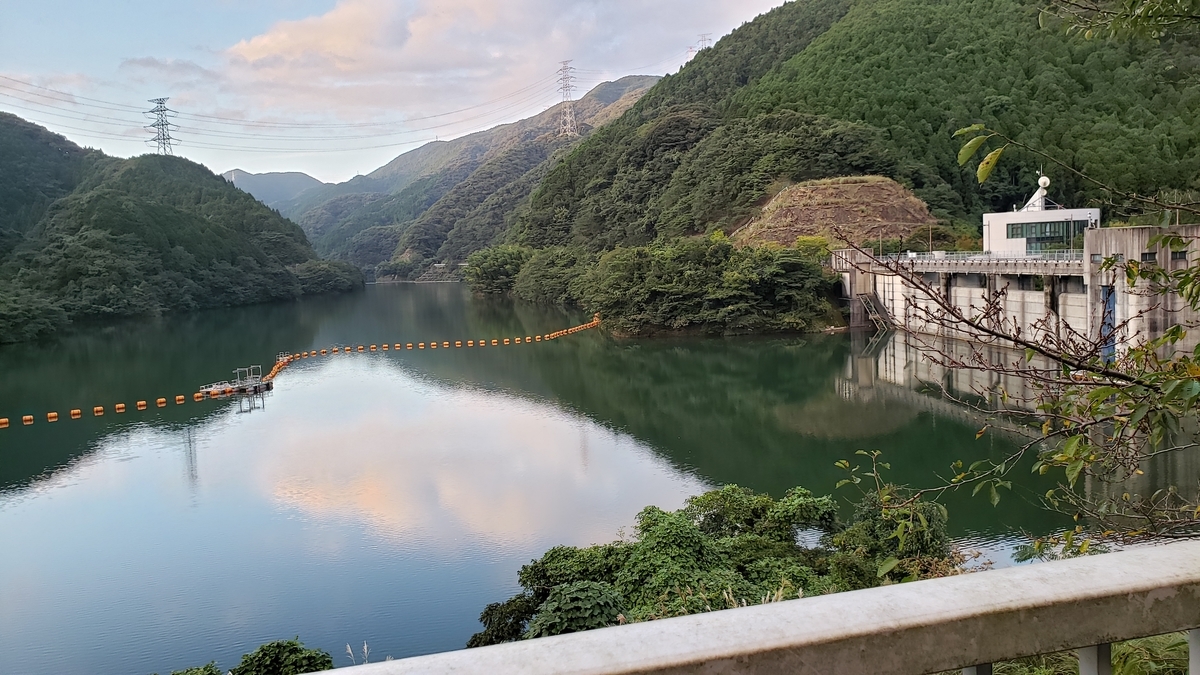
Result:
875,311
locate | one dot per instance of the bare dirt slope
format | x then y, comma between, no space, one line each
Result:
863,207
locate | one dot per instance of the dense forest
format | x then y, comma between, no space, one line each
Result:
83,235
825,88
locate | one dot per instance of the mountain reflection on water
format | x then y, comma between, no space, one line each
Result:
387,497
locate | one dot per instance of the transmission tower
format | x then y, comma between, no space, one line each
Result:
704,42
161,125
566,84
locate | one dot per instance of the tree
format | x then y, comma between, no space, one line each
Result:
283,657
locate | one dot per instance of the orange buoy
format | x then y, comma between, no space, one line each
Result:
3,422
457,343
52,417
505,340
373,347
496,342
98,411
179,399
76,413
324,352
470,343
385,347
433,345
420,345
162,402
446,345
120,407
197,397
537,338
296,356
528,339
360,348
27,419
141,405
228,391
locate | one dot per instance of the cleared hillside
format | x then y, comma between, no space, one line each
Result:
862,208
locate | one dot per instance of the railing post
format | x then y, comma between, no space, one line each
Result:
1194,651
1096,660
981,669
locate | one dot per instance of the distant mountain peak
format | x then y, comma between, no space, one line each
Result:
273,187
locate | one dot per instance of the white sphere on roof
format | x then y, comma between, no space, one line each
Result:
1044,181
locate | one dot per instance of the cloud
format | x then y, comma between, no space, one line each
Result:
420,57
403,67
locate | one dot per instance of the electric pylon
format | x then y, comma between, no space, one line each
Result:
704,42
161,125
566,84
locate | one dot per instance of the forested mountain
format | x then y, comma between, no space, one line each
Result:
87,235
823,89
453,193
819,88
272,188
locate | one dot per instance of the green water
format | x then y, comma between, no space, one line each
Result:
387,497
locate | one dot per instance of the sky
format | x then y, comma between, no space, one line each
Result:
333,88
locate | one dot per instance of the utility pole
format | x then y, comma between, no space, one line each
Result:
161,125
566,84
704,42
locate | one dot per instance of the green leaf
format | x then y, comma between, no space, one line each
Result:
989,163
969,149
887,566
993,495
969,130
1073,470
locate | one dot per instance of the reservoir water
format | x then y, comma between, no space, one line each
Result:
387,497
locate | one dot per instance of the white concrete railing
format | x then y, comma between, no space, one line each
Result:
906,629
844,259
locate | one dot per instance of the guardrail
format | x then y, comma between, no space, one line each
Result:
906,629
844,259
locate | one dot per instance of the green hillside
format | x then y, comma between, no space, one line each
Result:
819,89
445,199
96,236
831,87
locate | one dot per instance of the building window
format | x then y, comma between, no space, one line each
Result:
1097,258
1178,255
1150,257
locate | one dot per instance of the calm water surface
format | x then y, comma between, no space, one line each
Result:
387,497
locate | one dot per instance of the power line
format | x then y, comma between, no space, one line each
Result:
161,125
66,97
522,103
566,84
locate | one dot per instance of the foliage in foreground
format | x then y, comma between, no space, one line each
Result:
282,657
704,284
1158,655
726,548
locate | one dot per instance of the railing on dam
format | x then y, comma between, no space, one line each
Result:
962,622
1044,262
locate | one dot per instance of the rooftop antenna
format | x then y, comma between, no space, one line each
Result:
162,126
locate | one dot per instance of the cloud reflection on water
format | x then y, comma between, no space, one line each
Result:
453,466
